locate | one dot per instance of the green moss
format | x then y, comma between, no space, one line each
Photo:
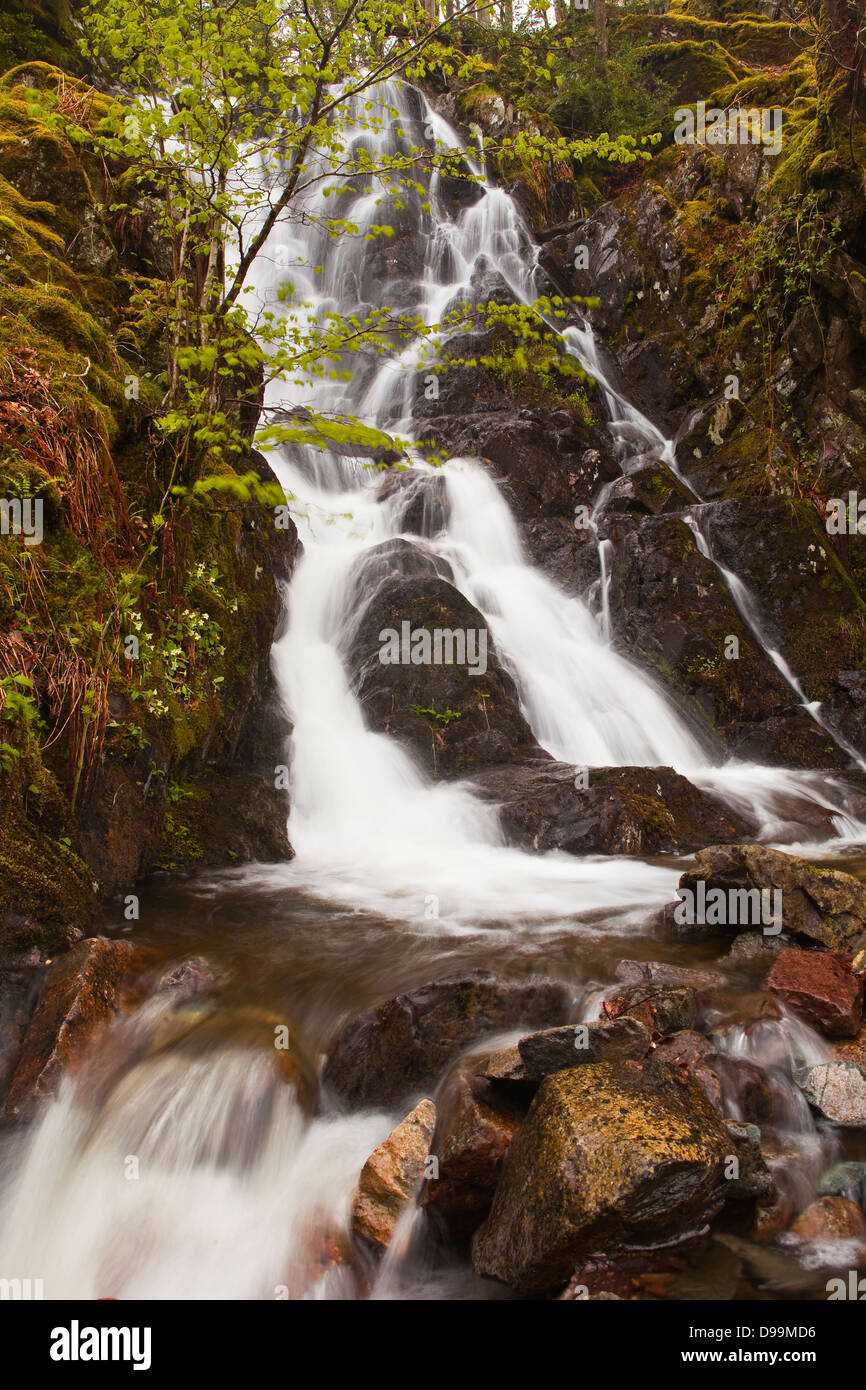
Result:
693,70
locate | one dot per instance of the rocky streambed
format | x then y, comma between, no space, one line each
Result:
650,1110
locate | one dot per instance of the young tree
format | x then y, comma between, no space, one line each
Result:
239,109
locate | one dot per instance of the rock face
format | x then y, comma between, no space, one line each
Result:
81,992
608,1153
453,715
821,987
819,903
838,1091
390,1177
474,1130
405,1044
623,810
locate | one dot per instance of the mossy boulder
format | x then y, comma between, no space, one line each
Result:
609,1153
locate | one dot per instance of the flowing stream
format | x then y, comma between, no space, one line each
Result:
396,879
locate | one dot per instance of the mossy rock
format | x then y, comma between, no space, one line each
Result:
693,70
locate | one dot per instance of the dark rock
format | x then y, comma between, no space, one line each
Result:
19,991
633,972
611,1152
662,1009
579,1044
818,902
754,946
821,987
475,1125
697,1056
453,717
623,810
753,1181
407,1042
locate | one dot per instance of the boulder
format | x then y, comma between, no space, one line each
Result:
623,810
663,1009
580,1044
82,991
634,972
821,987
830,1218
390,1178
475,1125
611,1152
455,713
838,1091
697,1056
819,903
752,1180
406,1043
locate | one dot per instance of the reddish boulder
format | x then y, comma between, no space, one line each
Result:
476,1123
390,1178
82,991
821,987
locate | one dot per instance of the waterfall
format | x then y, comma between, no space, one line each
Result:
365,823
235,1188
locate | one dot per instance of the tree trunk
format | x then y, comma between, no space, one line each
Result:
601,36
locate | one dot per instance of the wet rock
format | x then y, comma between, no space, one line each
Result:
390,1178
697,1056
818,902
476,1123
843,1179
807,601
201,1025
609,1152
457,709
771,1220
830,1218
838,1091
633,972
82,991
624,810
851,1049
19,990
404,1045
506,1067
748,1092
671,612
580,1044
754,946
752,1179
662,1009
821,987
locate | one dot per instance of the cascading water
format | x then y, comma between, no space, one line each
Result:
235,1185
